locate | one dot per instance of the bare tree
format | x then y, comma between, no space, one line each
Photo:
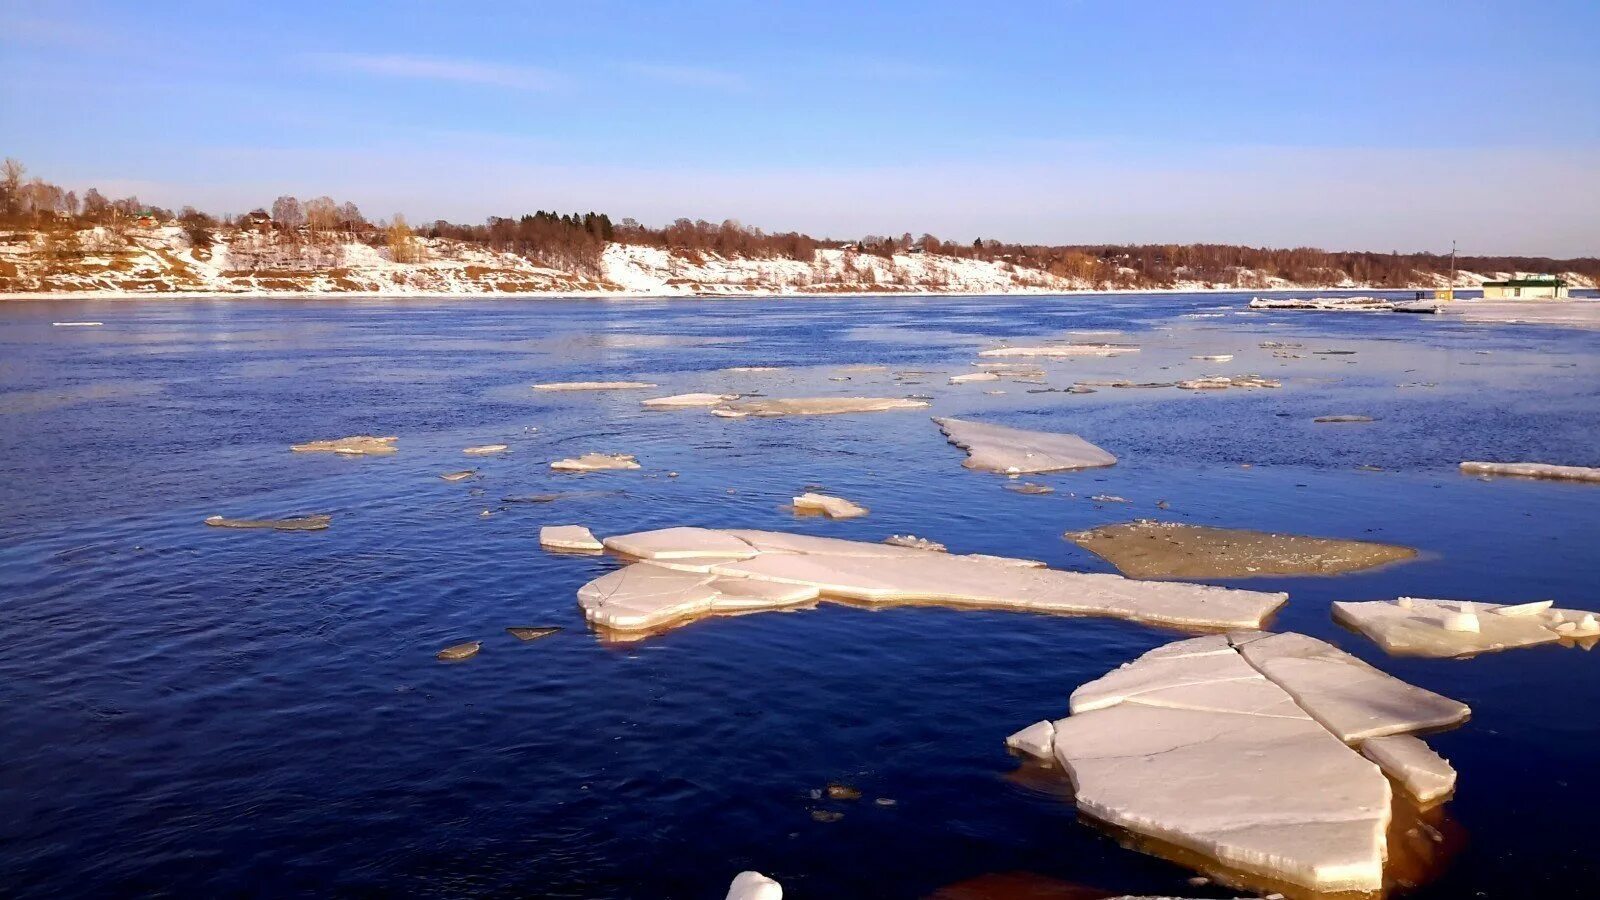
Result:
322,217
288,213
11,173
403,246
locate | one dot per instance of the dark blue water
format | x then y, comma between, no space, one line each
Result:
200,712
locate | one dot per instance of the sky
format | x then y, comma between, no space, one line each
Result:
1397,125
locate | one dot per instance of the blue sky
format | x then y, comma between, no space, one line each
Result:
1395,125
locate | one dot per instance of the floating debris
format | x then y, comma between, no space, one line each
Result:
832,507
814,406
826,815
1412,626
1156,747
459,476
1532,470
300,523
525,633
1013,451
357,445
568,537
457,652
596,462
486,450
843,792
593,386
1149,549
1342,418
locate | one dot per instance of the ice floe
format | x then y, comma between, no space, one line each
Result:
485,450
456,652
813,406
1149,549
918,543
1414,765
684,573
1324,304
596,462
297,523
754,886
1342,419
592,385
568,537
1221,382
1532,470
1015,451
832,507
1414,626
1223,750
1062,351
458,476
356,445
687,401
1214,357
974,376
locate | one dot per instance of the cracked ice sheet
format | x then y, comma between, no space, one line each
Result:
1348,697
1192,745
871,572
1424,774
1417,627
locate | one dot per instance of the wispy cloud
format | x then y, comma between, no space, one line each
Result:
690,76
432,68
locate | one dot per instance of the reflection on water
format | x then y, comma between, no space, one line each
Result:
198,711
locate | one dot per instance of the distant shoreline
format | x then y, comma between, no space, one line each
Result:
120,296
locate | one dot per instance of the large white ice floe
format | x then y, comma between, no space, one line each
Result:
592,385
1413,626
1015,451
1532,470
355,445
1324,304
1058,351
754,886
687,401
1220,745
832,507
686,573
813,406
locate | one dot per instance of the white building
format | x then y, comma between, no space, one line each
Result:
1534,287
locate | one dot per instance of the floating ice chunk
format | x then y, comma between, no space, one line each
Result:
883,573
813,406
1348,697
1341,419
974,376
997,448
1194,745
456,652
911,540
832,507
1325,304
568,537
1219,382
1418,627
686,401
592,385
1215,357
485,450
753,369
1532,470
458,476
754,886
596,462
1059,350
76,324
644,596
357,445
681,543
1424,774
298,523
1037,740
1521,609
1150,549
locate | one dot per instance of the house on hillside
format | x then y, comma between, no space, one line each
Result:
258,220
146,219
1534,287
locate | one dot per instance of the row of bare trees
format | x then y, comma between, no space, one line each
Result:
576,241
